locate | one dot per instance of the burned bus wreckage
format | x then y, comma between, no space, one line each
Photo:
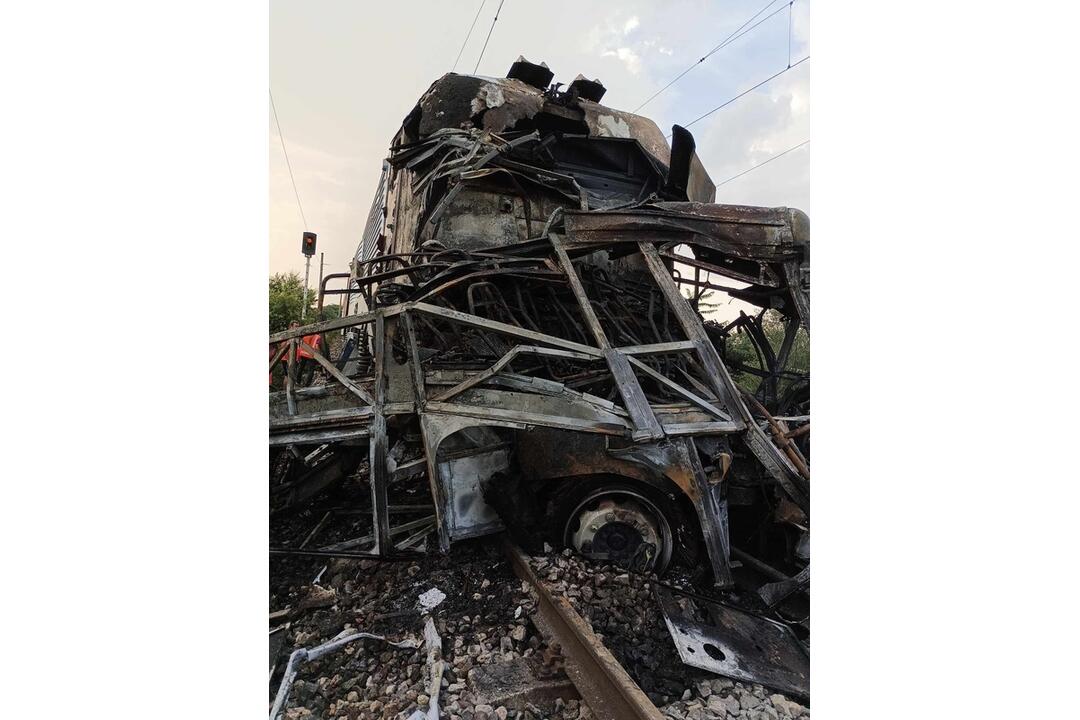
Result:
524,347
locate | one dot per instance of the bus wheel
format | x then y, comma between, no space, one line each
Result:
616,522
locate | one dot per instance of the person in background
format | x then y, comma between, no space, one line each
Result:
283,364
307,362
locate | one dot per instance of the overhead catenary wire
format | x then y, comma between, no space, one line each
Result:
723,43
490,29
281,136
468,34
764,162
745,92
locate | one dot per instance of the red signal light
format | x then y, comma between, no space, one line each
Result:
307,246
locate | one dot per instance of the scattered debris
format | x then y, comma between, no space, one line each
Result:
477,634
622,608
775,593
317,597
428,704
430,599
736,644
522,683
307,655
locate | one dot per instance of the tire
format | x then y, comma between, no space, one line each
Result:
681,527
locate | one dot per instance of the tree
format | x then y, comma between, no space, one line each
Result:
703,300
287,300
329,312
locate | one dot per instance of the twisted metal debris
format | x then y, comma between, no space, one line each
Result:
517,341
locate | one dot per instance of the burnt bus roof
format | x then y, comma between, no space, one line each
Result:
524,101
503,104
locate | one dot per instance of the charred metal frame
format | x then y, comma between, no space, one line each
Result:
544,218
440,414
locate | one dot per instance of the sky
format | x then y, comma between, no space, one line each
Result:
344,73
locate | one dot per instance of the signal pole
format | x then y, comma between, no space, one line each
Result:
307,269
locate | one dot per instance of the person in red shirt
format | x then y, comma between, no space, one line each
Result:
305,365
307,360
284,362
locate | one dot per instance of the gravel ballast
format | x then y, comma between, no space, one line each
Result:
622,610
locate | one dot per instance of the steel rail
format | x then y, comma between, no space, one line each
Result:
610,692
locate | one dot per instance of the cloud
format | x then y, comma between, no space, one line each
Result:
629,58
593,39
631,25
758,127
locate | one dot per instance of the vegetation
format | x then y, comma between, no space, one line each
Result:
287,301
740,349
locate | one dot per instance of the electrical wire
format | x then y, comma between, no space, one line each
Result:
281,136
490,29
744,92
766,162
726,41
468,34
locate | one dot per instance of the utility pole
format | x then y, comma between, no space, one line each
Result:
322,256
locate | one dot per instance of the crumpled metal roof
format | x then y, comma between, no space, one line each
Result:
499,104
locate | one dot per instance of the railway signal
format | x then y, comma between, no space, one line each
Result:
307,247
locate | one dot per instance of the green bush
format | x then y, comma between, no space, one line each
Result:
287,300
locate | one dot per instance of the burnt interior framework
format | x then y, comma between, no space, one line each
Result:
519,345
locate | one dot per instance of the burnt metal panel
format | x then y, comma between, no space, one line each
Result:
606,122
738,645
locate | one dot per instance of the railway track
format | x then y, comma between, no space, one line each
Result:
614,629
603,683
515,642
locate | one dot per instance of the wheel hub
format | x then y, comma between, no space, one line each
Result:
616,529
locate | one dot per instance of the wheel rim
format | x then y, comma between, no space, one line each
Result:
620,526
